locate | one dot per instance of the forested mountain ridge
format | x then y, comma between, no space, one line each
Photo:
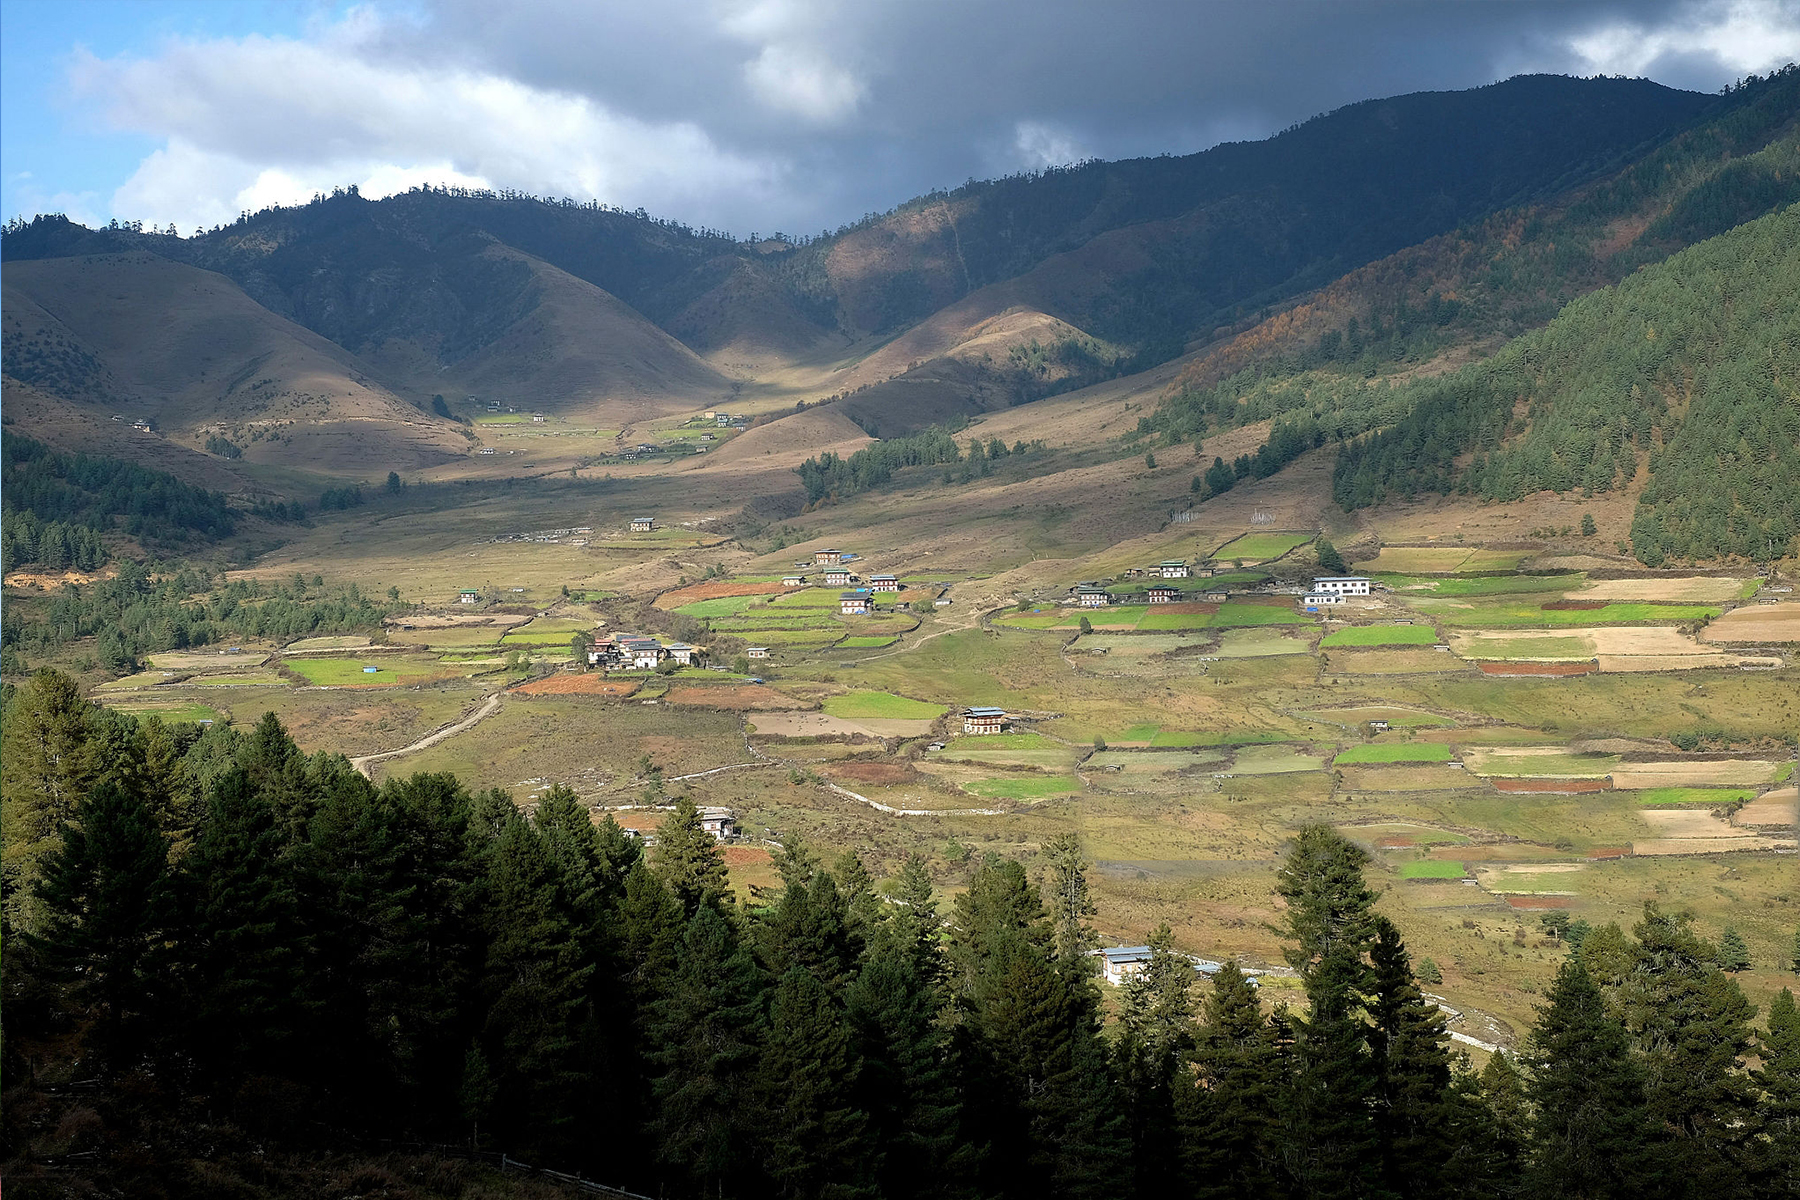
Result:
1691,363
1144,254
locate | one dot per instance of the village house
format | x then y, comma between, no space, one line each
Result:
682,653
1343,585
1203,572
984,720
719,822
1163,593
1317,600
830,556
1119,964
643,524
469,596
883,583
1089,596
1216,597
1173,568
756,652
839,577
855,603
795,580
1379,726
537,418
493,406
721,418
142,425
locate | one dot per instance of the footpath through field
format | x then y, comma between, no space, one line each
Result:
487,709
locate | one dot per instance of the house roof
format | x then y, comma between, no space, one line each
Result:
1126,954
984,712
884,577
858,594
1340,579
1173,562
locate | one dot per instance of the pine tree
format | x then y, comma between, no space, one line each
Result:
1329,558
1591,1129
815,1136
247,950
45,770
1226,1112
809,928
1693,1023
1328,903
108,902
704,1027
1070,902
688,858
1155,1034
1777,1152
1331,1145
909,1076
915,918
1734,952
1407,1042
535,982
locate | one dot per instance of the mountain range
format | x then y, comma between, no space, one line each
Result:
345,337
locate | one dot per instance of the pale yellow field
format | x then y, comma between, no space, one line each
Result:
1757,623
1732,772
1697,589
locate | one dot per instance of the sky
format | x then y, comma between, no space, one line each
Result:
750,116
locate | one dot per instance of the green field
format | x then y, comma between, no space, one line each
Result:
1401,752
880,706
1525,616
1676,797
348,672
1156,619
1486,585
1432,869
1539,647
1262,545
1024,787
171,713
1382,635
804,598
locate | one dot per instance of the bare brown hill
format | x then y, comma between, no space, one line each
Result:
188,350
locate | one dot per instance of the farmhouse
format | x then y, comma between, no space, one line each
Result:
469,596
1317,600
1343,585
1203,572
721,418
793,581
1172,568
754,652
839,577
853,603
1120,963
1379,726
984,720
719,822
643,524
1089,596
1163,593
828,556
682,653
883,583
1216,597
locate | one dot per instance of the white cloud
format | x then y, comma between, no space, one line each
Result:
1743,36
1037,145
793,80
260,120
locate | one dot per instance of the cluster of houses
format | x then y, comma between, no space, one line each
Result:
639,652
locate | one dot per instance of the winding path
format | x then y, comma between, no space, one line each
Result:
487,709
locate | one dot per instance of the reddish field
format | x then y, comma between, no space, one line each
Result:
571,684
1394,843
1537,668
714,591
1551,787
739,697
746,856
